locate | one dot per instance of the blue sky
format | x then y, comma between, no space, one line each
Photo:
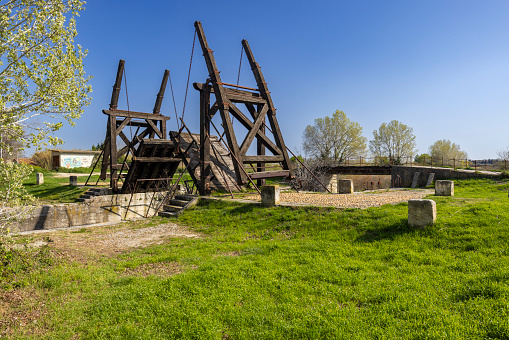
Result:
441,67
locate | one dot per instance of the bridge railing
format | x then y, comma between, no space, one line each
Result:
439,162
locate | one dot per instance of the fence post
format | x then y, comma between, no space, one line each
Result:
475,165
360,160
454,163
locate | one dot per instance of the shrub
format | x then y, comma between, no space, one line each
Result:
43,159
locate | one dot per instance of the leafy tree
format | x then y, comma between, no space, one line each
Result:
423,158
447,150
334,138
394,141
98,147
41,79
41,70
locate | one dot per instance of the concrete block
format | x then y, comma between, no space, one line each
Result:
431,178
39,177
444,188
270,195
415,181
421,212
345,186
73,180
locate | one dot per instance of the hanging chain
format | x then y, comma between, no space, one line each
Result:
188,75
174,105
240,64
128,111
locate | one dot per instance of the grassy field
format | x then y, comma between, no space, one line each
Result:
285,273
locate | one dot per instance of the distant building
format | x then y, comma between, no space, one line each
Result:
73,158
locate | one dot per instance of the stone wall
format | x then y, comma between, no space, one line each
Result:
98,209
406,174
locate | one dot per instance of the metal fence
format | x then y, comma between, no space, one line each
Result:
439,162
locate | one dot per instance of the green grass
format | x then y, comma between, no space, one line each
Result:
299,273
56,189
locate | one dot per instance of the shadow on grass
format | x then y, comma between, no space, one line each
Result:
387,233
64,192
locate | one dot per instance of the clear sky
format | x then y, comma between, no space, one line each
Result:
439,66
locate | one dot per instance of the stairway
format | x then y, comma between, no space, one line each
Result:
94,192
177,205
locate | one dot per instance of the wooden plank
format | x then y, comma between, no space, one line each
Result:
159,142
132,114
124,138
263,159
113,153
269,174
254,130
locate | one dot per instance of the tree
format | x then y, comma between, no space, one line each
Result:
394,141
503,154
446,150
334,138
41,70
41,79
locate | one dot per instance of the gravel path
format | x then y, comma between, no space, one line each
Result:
356,200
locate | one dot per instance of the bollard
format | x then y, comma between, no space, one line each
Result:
270,195
444,188
345,186
39,178
73,180
421,213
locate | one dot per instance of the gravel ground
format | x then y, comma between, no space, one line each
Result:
356,200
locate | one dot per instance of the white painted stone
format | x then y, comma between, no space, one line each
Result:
421,213
444,188
270,195
39,177
345,186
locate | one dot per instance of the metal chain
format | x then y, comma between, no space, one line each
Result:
240,63
189,75
174,105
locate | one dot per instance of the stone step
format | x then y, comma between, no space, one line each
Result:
171,208
184,197
167,214
179,203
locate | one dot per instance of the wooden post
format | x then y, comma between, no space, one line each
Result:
260,151
205,141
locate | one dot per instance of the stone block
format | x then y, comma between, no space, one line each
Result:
421,212
73,180
345,186
331,182
270,195
444,188
39,177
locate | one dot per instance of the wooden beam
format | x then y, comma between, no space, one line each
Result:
222,100
116,87
160,95
269,174
122,125
263,159
254,130
132,114
265,93
156,159
154,129
237,95
249,125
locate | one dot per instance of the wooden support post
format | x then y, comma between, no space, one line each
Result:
222,102
205,170
260,150
265,93
112,120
